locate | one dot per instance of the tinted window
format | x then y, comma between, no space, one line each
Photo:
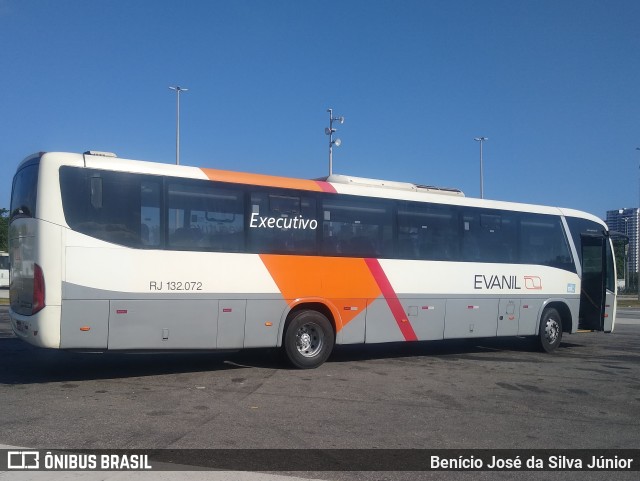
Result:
427,231
489,236
202,216
357,227
107,205
24,192
577,227
150,233
542,241
4,262
152,212
282,223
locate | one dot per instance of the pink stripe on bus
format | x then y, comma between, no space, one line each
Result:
392,299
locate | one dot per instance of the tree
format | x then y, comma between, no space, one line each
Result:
4,229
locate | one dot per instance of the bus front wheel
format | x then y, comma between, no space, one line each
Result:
550,333
308,340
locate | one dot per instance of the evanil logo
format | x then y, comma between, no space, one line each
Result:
298,222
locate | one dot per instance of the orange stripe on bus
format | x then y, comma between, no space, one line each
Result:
268,180
345,282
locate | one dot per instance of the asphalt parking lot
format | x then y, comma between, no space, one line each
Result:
493,394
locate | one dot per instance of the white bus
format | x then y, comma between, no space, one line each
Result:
4,270
114,254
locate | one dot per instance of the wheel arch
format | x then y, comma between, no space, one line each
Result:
316,304
563,309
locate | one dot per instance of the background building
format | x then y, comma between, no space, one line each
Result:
626,222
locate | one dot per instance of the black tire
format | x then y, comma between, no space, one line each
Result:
550,333
308,339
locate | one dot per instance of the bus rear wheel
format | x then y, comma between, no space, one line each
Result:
550,333
308,340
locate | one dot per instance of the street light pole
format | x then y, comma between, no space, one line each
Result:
481,140
178,89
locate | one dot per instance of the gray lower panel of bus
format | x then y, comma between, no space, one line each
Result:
134,324
95,319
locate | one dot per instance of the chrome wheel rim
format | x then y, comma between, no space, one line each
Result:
309,340
552,331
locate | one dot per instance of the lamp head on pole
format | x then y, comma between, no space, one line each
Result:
330,131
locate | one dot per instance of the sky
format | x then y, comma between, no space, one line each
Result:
553,84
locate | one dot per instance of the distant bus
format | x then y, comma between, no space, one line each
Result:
4,270
113,254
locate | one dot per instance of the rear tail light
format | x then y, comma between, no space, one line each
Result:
38,289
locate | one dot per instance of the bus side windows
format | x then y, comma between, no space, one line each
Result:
489,236
150,213
357,227
428,231
102,204
543,242
145,211
203,217
282,223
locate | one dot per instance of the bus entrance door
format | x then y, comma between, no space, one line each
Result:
592,293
